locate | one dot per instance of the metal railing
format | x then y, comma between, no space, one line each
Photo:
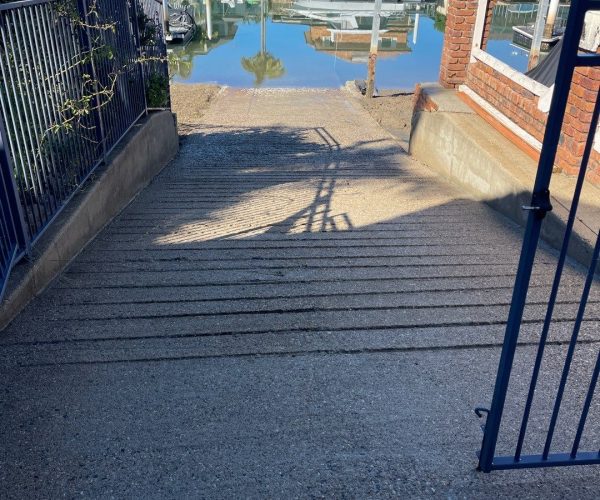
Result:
11,238
154,45
74,78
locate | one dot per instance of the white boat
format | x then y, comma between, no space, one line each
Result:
181,26
342,13
346,6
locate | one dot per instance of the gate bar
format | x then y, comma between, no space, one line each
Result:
539,205
587,404
557,278
553,460
573,342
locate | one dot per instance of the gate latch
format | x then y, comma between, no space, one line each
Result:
540,203
479,411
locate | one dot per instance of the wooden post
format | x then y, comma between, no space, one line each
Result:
416,29
263,27
209,24
373,49
538,34
165,19
551,19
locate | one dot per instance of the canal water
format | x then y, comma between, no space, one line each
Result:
325,43
507,15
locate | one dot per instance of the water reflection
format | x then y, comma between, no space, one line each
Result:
263,65
306,42
323,43
504,42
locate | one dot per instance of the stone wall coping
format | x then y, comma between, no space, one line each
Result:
503,119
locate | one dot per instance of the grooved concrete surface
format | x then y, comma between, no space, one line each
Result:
294,308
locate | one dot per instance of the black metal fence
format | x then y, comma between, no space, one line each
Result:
75,75
154,47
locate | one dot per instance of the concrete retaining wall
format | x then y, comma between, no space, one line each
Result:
149,146
460,145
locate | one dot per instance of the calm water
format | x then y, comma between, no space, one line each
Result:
512,55
505,16
309,47
314,43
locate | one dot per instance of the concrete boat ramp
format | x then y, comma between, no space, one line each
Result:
293,308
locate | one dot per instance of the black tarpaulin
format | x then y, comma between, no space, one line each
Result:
545,71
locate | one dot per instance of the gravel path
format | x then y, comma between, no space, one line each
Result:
392,109
190,102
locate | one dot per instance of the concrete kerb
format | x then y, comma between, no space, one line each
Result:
146,150
462,146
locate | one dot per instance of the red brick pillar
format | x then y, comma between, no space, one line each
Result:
576,124
458,39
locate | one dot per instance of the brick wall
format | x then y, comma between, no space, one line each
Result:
584,89
458,37
508,97
316,32
422,102
521,106
511,99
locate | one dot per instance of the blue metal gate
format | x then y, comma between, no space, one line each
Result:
570,59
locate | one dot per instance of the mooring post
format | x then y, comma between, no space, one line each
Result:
416,29
209,23
538,34
373,49
551,19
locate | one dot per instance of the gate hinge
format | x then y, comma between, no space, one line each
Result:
540,203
